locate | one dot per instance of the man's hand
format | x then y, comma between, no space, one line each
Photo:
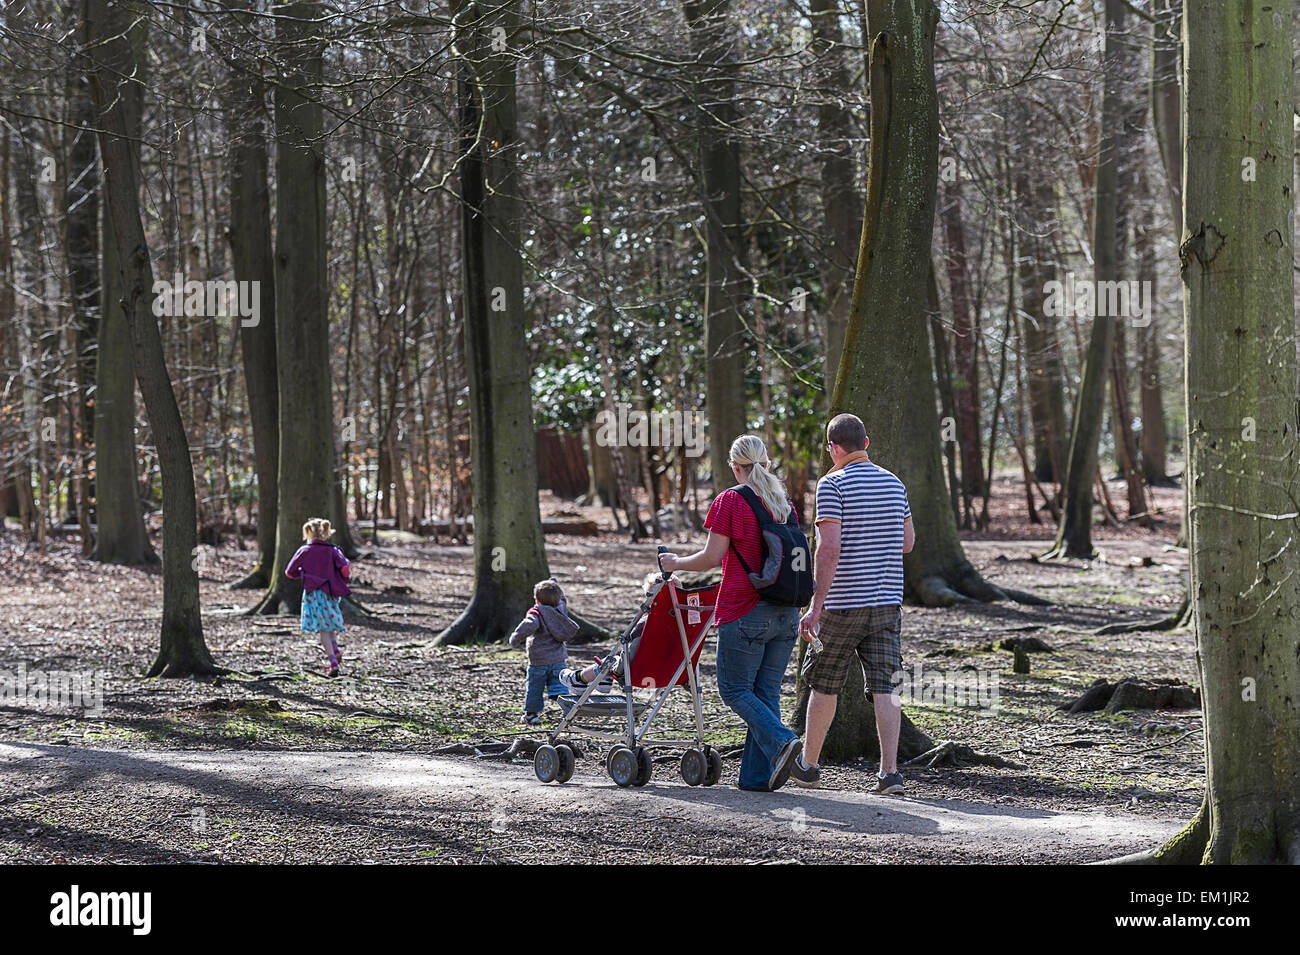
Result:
808,623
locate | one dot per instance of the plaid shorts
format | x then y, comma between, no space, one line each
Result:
874,633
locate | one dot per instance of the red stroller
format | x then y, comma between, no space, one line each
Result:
659,650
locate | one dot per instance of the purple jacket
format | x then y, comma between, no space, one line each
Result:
320,566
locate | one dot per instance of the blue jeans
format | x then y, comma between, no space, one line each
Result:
541,681
752,655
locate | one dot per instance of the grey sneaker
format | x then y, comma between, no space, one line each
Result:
809,777
889,784
784,761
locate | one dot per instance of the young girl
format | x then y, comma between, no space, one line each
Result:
324,572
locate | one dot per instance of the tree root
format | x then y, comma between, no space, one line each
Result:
1026,598
256,580
1187,847
352,605
588,632
959,755
934,591
1178,620
969,587
184,669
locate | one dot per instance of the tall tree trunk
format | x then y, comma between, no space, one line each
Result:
725,346
120,536
887,334
1166,100
1241,402
509,551
841,203
1150,397
620,463
306,469
965,332
31,273
1126,449
943,375
1044,369
1166,118
252,261
1121,391
81,250
109,45
1074,535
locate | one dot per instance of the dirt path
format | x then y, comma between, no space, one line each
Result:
75,804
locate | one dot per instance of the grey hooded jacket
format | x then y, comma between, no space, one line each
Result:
546,629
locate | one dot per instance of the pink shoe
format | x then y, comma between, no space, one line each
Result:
332,667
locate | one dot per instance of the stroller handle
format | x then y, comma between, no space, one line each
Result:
659,560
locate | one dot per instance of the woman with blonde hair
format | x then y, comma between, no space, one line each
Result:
755,637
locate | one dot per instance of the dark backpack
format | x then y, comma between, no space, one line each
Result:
786,577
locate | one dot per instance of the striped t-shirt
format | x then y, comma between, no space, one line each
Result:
870,505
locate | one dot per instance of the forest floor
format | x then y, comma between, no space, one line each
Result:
274,762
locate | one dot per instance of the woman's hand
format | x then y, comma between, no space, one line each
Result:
668,562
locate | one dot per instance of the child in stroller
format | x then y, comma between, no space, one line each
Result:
575,680
658,651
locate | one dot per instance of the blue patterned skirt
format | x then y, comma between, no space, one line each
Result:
320,612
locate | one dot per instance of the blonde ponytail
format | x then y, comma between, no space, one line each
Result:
749,451
317,529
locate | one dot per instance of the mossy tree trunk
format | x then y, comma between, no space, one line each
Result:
509,550
887,340
1241,399
113,60
306,469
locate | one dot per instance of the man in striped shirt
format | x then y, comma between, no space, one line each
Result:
864,527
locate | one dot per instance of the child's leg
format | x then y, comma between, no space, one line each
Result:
589,674
554,685
536,687
327,642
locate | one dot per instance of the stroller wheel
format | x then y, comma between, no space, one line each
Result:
623,766
694,768
714,771
546,763
644,766
567,761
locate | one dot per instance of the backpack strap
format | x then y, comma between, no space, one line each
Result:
760,514
755,504
760,510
